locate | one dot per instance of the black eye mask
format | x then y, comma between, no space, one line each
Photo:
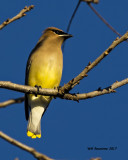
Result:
58,32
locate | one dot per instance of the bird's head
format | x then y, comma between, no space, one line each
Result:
56,34
53,37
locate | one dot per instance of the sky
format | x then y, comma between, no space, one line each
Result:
68,128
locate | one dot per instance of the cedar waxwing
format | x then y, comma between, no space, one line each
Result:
44,69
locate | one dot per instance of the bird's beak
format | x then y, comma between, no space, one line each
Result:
66,35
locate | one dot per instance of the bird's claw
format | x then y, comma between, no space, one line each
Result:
38,87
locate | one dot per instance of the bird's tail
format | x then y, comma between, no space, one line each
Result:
34,123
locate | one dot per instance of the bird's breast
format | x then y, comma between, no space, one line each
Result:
46,70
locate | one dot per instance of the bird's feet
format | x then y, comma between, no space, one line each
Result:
38,88
58,88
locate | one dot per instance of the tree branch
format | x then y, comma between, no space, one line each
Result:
94,10
32,151
67,87
74,13
103,20
36,154
55,92
28,89
63,91
91,1
99,92
98,158
11,101
18,16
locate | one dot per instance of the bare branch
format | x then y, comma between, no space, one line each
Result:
98,158
94,10
103,20
91,1
74,13
67,87
28,89
68,96
18,16
77,6
63,91
32,151
70,21
99,92
36,154
11,101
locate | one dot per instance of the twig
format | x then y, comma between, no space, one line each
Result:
103,20
32,151
70,21
91,1
67,87
68,96
74,13
11,101
107,90
98,158
18,16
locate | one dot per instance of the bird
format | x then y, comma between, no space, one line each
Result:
43,70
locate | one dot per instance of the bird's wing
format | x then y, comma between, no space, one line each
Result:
27,108
39,44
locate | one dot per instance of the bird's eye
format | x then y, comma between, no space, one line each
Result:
58,32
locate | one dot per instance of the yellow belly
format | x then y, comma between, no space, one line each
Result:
45,69
46,76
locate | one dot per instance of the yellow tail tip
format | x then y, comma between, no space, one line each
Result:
38,135
32,135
